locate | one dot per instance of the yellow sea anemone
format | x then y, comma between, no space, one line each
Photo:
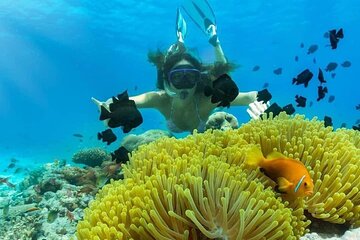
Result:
199,187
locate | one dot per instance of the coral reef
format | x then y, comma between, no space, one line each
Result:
222,121
91,157
51,200
132,141
199,187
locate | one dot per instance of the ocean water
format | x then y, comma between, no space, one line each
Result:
56,55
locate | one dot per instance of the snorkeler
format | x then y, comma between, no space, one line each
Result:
182,80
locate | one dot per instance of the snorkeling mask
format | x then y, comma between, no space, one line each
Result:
184,76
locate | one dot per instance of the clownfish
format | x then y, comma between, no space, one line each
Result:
291,176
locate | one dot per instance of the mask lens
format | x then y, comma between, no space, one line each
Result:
184,78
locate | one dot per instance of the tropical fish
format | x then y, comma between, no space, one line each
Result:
274,108
356,127
321,76
331,98
223,91
107,136
328,121
333,75
331,66
289,109
278,71
301,45
346,64
264,95
266,85
300,100
78,135
357,107
303,78
120,155
313,48
6,182
335,36
291,176
296,58
256,68
123,113
321,92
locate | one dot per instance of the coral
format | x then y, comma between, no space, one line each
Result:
131,142
199,187
222,121
91,157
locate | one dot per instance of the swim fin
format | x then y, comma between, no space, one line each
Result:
180,26
203,16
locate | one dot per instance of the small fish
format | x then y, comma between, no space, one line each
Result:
313,48
333,75
303,78
296,58
301,45
274,108
328,121
321,92
356,127
107,136
256,68
6,182
310,104
11,165
264,95
78,135
300,100
326,35
331,67
224,91
13,160
343,125
278,71
123,113
266,85
335,36
321,76
135,88
121,155
346,64
331,99
289,109
314,60
357,107
291,176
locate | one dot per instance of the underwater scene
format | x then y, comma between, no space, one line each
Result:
187,119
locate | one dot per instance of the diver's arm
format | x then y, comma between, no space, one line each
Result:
148,100
244,98
145,100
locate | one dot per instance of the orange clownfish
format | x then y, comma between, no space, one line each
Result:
291,176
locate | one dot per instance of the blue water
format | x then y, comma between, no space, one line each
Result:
56,55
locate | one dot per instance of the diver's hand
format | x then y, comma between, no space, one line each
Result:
100,104
257,108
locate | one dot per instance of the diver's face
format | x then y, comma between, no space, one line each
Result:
183,78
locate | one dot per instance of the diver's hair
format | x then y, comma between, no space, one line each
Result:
165,61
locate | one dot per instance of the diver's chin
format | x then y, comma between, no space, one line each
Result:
183,95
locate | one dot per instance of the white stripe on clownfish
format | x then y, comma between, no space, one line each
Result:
299,183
